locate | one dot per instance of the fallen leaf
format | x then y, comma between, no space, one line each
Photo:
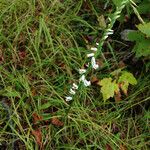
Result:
117,96
108,147
122,147
100,62
94,79
108,88
55,121
122,64
22,55
123,87
36,118
33,92
125,79
38,136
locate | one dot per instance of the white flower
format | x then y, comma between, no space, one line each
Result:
93,63
90,55
75,86
82,71
94,49
109,33
85,82
68,98
72,92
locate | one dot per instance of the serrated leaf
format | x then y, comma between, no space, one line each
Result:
125,79
144,28
108,88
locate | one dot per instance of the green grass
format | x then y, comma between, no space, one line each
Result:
42,45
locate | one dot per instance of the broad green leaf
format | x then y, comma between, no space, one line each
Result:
144,7
142,45
108,88
144,28
125,79
142,48
135,36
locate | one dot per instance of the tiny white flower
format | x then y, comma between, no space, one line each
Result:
72,92
82,71
85,82
82,78
90,55
110,30
94,49
106,36
68,98
109,33
75,86
97,44
94,65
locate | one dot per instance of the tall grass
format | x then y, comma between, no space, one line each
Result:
42,45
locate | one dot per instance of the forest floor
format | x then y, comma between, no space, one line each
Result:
43,43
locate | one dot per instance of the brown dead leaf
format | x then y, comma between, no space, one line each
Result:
22,55
108,147
36,118
122,147
38,136
55,121
123,90
121,64
33,92
94,79
100,62
117,96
